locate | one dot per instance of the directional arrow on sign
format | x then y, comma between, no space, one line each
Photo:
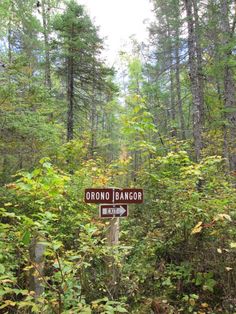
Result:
114,210
110,211
120,210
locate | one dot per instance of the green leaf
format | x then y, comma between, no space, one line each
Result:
86,310
167,282
209,285
56,245
101,300
47,165
10,215
121,309
2,269
26,237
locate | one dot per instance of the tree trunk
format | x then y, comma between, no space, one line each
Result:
170,61
93,128
46,22
199,59
178,87
70,97
9,41
9,35
94,116
229,88
70,92
195,90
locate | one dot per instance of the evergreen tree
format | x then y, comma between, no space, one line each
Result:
78,45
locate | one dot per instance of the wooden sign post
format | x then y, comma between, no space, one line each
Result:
113,232
113,204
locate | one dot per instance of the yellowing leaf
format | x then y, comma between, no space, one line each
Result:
228,268
192,302
94,306
214,232
28,267
8,204
219,251
6,281
197,228
204,305
223,217
7,303
233,245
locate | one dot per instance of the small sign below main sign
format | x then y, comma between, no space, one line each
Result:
110,211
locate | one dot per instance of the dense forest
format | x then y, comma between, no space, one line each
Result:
163,120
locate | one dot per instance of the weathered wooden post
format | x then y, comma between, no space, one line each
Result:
113,232
37,251
112,269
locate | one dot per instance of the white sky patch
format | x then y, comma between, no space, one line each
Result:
118,20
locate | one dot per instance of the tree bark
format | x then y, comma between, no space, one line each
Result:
171,67
9,40
199,59
229,87
70,97
9,35
70,92
177,79
94,117
178,87
46,22
195,89
93,128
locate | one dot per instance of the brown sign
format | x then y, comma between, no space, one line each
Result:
98,196
116,210
114,196
128,196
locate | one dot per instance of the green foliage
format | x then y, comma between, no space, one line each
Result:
190,214
44,207
176,252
